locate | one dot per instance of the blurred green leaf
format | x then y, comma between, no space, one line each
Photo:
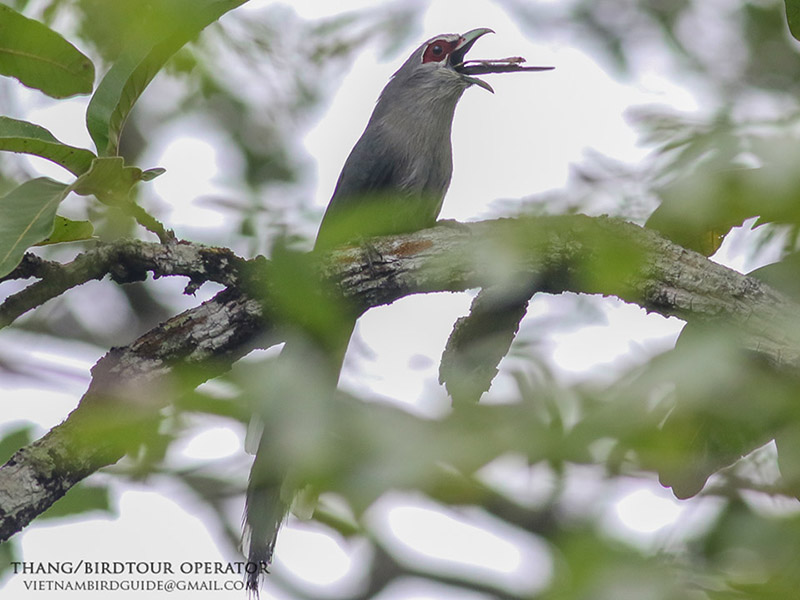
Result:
670,219
9,553
26,218
180,22
717,403
40,58
28,138
79,499
783,275
13,441
304,303
67,230
594,566
699,210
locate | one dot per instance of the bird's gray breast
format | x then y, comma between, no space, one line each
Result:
394,181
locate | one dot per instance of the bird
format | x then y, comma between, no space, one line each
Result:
394,181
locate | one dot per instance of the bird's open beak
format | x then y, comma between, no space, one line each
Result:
479,67
464,44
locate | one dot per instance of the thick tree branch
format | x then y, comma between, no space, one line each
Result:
555,253
593,255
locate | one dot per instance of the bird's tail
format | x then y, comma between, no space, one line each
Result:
302,370
265,511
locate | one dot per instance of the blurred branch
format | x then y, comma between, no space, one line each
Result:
126,261
387,569
557,254
481,340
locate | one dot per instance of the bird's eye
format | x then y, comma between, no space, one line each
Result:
437,51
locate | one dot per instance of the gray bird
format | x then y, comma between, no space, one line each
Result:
393,181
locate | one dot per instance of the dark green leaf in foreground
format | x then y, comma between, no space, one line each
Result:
40,58
179,23
26,218
28,138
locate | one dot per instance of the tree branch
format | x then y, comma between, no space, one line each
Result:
126,261
556,254
129,385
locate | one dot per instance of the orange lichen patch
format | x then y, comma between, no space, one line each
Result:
412,247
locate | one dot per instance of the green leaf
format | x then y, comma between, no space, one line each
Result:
793,17
9,554
109,180
40,58
26,218
121,87
67,230
79,499
28,138
151,174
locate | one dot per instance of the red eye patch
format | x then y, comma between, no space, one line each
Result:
438,50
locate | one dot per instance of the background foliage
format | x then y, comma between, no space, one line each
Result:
259,82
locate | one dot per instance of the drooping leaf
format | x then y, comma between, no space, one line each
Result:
26,218
28,138
67,230
40,58
109,180
181,21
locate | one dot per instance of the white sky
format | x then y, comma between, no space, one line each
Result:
516,142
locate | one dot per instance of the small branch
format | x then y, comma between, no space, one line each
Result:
148,221
126,261
33,266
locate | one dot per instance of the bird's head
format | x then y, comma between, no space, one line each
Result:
437,63
439,66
